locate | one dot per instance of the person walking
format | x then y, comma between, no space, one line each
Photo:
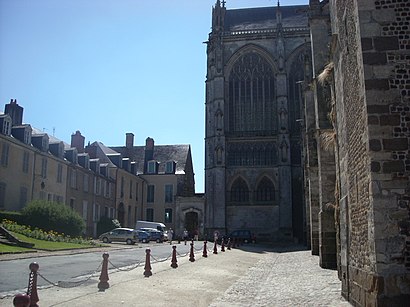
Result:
170,235
185,235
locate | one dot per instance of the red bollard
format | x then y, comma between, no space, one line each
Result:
147,268
174,263
191,254
215,248
21,300
103,284
32,284
205,252
229,243
223,245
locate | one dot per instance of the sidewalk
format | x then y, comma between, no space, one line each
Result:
249,276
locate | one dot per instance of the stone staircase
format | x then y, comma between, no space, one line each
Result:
7,238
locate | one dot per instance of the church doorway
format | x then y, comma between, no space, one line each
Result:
121,214
191,223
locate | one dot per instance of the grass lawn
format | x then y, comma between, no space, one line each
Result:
4,248
43,245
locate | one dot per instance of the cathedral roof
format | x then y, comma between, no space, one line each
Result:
265,18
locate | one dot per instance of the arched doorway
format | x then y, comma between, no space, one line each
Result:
121,214
191,222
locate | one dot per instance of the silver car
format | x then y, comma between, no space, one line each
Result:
128,235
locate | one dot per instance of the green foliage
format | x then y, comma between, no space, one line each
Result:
53,216
12,216
106,224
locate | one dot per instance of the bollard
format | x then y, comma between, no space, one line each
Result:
229,244
32,284
223,244
215,248
174,257
147,268
205,252
21,300
191,254
103,284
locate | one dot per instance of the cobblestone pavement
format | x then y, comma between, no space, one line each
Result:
285,279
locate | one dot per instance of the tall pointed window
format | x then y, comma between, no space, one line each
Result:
239,191
252,106
265,190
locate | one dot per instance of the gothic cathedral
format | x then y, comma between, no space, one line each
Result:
257,61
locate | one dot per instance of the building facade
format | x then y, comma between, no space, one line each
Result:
257,58
359,188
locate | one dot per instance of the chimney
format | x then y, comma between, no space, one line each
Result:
77,141
129,140
15,112
149,152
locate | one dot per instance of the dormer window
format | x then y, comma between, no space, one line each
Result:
152,167
27,136
44,143
170,167
6,125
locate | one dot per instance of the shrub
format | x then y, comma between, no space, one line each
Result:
53,216
106,224
12,216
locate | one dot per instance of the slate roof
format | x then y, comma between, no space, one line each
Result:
265,18
162,154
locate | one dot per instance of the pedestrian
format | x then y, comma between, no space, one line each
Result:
185,235
170,235
196,233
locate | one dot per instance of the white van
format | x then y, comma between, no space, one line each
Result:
146,224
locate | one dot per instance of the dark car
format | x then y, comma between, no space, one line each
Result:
143,236
245,236
155,234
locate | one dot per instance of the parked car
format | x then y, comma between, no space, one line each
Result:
155,234
143,236
128,235
243,235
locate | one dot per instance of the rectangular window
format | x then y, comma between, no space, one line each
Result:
112,213
96,213
152,167
150,193
2,194
168,215
169,167
85,209
23,197
106,211
130,189
136,191
42,195
86,182
98,186
72,203
43,168
59,173
73,179
122,186
150,214
5,154
169,193
26,157
107,189
27,137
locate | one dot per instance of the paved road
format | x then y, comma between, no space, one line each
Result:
252,275
69,267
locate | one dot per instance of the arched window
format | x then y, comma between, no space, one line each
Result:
239,191
265,190
252,106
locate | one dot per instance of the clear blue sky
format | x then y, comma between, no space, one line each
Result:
108,67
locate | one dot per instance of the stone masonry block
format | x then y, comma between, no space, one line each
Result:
380,84
374,58
375,167
398,144
383,71
377,97
393,167
384,16
370,29
375,145
373,120
390,120
378,109
384,43
367,44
